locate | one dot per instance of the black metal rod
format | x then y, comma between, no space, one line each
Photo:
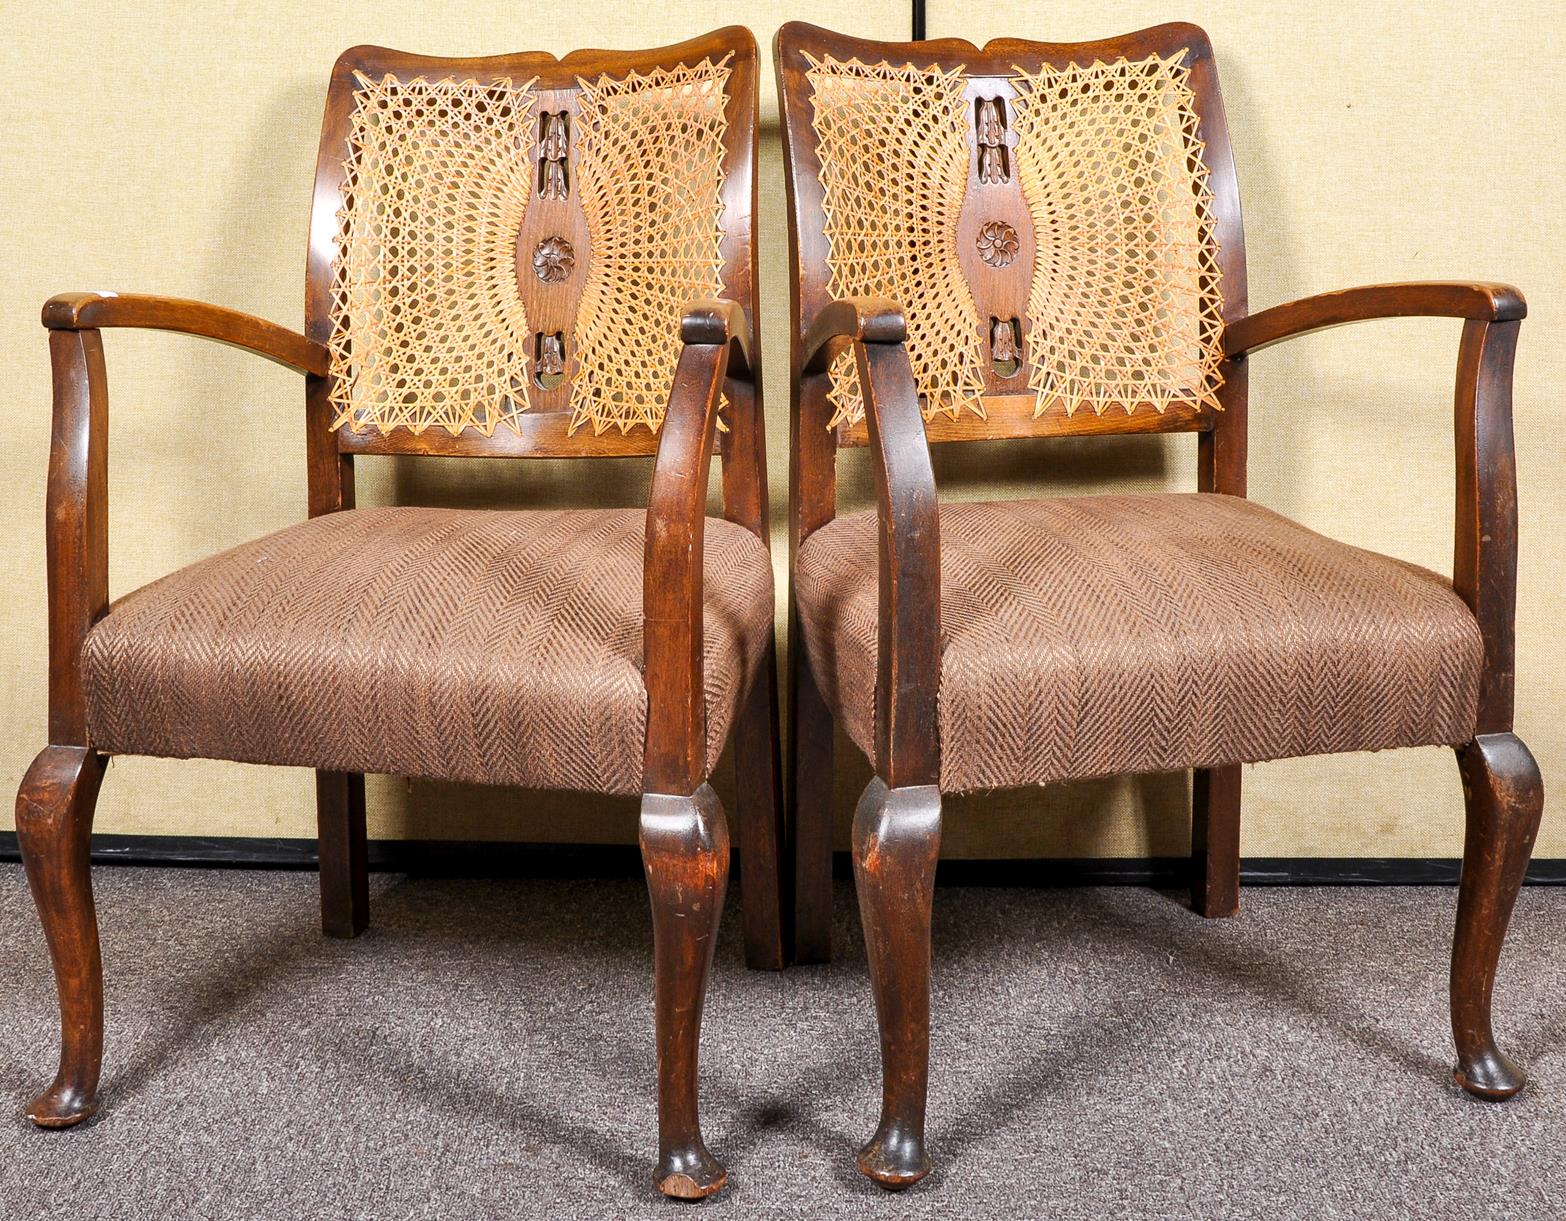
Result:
918,20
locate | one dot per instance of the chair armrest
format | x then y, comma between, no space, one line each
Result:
715,322
849,320
713,333
1435,299
92,311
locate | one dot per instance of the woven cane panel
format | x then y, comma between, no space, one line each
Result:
488,646
651,174
1124,308
893,147
428,325
1097,635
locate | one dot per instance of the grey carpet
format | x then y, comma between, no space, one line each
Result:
486,1051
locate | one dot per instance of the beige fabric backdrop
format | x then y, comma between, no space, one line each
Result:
169,148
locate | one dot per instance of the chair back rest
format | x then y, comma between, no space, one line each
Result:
502,248
1059,222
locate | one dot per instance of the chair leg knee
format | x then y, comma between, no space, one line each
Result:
344,853
810,808
897,837
685,850
1215,841
54,811
1505,798
766,881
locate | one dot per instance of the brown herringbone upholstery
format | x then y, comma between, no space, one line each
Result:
1106,634
496,647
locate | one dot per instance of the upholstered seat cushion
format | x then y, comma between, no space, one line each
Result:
496,647
1106,634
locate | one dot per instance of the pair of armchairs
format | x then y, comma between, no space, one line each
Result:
519,256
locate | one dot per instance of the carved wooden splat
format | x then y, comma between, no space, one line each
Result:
554,153
549,360
990,131
1006,346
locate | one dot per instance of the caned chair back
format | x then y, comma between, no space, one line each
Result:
1059,223
502,248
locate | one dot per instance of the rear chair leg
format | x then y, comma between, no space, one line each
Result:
810,808
345,876
765,878
685,849
1215,841
897,836
1505,797
54,810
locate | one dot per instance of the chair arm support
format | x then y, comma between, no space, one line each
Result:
1484,565
908,665
76,524
847,320
1435,299
908,546
675,752
92,311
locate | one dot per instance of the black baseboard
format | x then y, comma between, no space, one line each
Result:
446,858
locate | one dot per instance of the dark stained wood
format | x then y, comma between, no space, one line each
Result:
76,523
1215,841
54,810
676,751
1484,565
908,668
685,847
1433,299
344,853
897,838
766,878
1505,796
1012,415
810,798
91,311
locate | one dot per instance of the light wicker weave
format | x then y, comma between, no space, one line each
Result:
430,327
893,145
1123,307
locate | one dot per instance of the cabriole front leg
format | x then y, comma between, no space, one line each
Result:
1505,798
54,809
897,836
685,849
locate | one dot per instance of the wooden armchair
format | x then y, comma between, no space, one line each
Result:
1045,240
509,257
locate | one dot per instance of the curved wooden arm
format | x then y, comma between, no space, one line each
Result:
675,753
91,311
870,319
77,522
908,667
713,322
1436,299
1484,566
